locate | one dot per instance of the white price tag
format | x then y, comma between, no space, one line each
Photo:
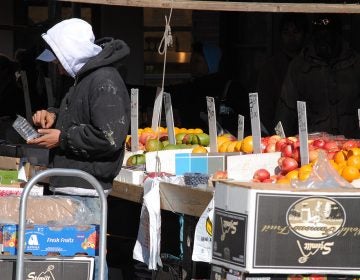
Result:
157,109
255,121
279,130
169,118
240,133
134,121
212,123
303,132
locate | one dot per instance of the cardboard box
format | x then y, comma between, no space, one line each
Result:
269,228
79,268
16,190
129,176
42,240
243,167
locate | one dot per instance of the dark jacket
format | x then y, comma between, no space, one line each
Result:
94,120
331,91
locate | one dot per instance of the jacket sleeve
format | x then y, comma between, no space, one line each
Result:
286,110
109,114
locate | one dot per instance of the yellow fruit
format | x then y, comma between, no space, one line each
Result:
304,172
340,156
182,130
238,146
353,161
148,129
198,130
231,147
353,152
223,147
247,145
283,181
293,174
199,150
350,173
221,140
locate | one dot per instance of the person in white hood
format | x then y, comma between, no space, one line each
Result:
89,129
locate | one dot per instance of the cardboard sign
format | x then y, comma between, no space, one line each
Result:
157,109
134,119
255,121
241,124
279,130
169,118
212,123
303,132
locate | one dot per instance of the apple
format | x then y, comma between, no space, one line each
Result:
349,144
296,154
261,174
287,164
220,174
331,146
286,150
270,148
153,145
274,138
319,143
145,136
279,144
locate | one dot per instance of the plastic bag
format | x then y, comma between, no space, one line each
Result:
323,176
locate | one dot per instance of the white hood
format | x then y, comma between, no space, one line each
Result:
72,41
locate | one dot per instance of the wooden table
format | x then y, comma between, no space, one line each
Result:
174,198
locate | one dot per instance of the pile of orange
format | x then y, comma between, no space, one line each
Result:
347,164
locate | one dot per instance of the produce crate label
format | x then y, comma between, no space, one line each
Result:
50,268
207,164
229,237
41,240
307,231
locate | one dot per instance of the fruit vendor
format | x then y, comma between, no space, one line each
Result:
89,129
326,75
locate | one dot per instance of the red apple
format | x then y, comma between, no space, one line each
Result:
331,146
296,154
286,150
279,144
145,136
319,143
274,138
287,164
270,148
349,144
261,174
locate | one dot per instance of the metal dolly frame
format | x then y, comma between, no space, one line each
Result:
23,206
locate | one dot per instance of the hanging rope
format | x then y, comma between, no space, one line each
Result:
165,42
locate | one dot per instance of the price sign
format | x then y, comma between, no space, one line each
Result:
303,132
169,118
279,130
212,123
240,132
255,121
157,109
134,121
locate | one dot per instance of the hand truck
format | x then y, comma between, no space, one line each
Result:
23,203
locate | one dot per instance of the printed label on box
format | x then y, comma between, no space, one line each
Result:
307,232
42,240
229,243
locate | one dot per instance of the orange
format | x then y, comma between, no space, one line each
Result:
334,164
353,161
238,146
247,145
182,130
353,152
199,150
198,130
305,171
190,130
340,156
293,174
231,147
221,140
148,129
283,181
350,173
223,147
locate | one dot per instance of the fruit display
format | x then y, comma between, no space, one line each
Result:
150,140
343,155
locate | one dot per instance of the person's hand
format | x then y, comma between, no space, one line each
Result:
50,138
44,119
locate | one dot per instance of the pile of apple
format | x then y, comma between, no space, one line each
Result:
289,165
